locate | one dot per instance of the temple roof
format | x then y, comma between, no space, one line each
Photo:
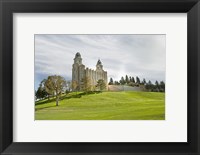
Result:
99,62
78,54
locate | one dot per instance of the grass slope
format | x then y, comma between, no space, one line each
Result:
104,106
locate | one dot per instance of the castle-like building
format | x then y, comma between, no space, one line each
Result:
79,72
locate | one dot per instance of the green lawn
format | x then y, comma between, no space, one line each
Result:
128,105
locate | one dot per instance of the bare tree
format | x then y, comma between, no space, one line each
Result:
55,85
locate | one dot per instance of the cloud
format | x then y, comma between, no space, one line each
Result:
134,55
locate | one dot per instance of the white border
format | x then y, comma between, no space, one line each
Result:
173,129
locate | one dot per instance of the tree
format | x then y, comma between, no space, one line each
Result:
41,92
55,85
127,79
122,81
149,82
133,79
156,83
149,86
86,84
162,86
101,85
116,83
111,81
137,80
130,79
144,81
157,87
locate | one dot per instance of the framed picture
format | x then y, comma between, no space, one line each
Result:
111,80
99,77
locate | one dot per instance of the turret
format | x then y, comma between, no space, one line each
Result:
99,65
78,59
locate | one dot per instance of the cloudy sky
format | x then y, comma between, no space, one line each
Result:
135,55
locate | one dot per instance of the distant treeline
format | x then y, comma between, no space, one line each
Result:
136,82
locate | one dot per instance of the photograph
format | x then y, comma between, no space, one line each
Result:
99,76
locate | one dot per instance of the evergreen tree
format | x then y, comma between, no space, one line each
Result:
130,79
133,80
162,86
137,80
156,87
111,81
144,81
156,83
122,81
116,83
101,85
149,86
127,79
149,82
41,92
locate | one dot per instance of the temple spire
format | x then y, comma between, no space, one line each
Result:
99,65
78,59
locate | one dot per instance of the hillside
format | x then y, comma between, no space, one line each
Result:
125,105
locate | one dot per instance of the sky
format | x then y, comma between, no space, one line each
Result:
133,55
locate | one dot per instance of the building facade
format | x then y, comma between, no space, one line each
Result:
80,72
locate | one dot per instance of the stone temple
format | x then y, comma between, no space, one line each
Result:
79,72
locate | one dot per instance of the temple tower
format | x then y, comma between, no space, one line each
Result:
99,66
78,70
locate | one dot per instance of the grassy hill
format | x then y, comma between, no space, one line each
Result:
126,105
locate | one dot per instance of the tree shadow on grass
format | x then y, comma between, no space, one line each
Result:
45,101
36,109
67,96
79,95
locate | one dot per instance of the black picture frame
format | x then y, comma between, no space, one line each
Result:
8,7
